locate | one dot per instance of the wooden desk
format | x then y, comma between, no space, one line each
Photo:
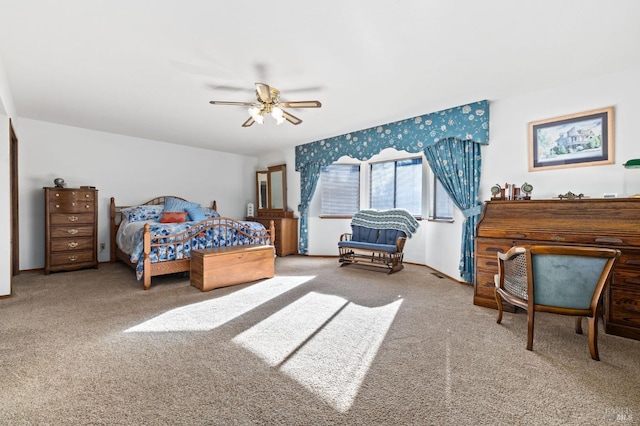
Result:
613,223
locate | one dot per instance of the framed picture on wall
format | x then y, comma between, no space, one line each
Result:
576,140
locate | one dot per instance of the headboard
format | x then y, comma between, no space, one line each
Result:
115,214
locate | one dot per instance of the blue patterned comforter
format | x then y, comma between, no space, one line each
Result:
168,242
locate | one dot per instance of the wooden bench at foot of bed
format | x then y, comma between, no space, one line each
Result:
225,266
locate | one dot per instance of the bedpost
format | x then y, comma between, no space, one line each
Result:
112,231
146,237
272,232
214,205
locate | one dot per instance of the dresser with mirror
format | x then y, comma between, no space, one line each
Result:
271,204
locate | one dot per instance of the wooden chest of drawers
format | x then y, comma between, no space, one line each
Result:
71,233
610,223
286,233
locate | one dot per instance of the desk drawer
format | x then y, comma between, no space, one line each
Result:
485,286
624,307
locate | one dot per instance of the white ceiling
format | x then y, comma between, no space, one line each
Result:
148,68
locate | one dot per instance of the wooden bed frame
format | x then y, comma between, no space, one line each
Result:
179,265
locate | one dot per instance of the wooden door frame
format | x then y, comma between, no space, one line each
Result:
15,221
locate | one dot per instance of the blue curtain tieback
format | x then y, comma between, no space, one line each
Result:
473,211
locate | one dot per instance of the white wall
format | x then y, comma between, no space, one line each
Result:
132,170
7,110
506,158
5,213
505,161
293,179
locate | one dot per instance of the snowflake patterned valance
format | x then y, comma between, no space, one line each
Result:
466,122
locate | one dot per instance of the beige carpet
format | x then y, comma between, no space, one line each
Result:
318,344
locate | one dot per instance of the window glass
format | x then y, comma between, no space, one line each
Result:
382,186
441,204
340,185
397,184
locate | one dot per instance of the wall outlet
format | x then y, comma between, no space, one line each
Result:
102,246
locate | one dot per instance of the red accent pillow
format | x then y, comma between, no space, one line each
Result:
173,217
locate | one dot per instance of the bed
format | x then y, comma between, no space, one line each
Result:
141,237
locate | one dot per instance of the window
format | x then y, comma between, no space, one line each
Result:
441,203
397,184
340,185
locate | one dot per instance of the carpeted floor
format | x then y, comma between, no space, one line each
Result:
316,345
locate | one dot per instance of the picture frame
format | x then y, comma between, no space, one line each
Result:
575,140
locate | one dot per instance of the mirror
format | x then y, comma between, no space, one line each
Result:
271,190
276,190
262,191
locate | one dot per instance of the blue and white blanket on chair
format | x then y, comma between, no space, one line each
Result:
399,219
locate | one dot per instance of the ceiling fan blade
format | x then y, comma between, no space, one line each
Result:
301,104
291,118
303,89
264,93
231,103
229,88
249,122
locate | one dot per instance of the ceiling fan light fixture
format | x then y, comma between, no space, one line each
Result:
268,103
256,113
276,113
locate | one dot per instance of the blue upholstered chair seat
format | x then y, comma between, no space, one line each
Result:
390,248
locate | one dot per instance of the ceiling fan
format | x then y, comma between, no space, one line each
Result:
268,102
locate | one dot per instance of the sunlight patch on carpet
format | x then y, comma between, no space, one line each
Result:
324,342
208,315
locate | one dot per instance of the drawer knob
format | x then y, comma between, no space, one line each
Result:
86,195
87,206
73,244
73,231
72,218
57,206
57,195
73,258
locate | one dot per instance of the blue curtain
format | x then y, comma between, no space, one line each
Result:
309,176
457,165
469,123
